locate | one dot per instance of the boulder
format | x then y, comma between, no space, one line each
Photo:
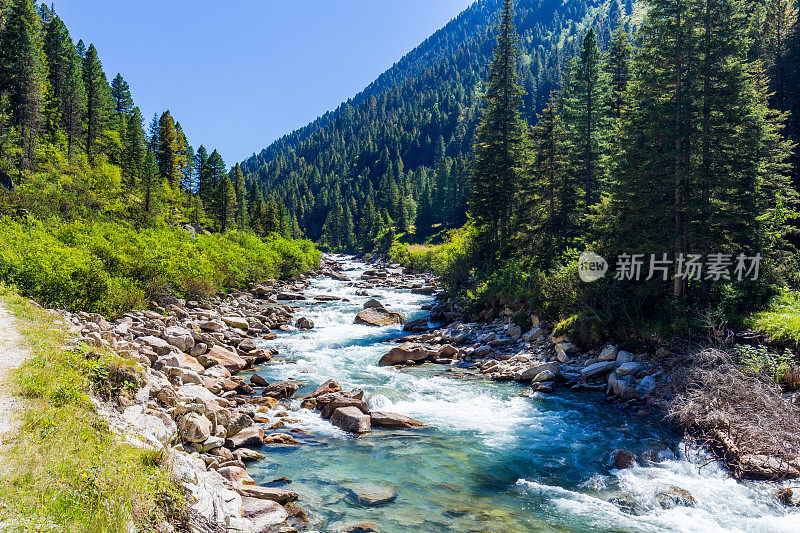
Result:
304,323
280,390
629,369
386,420
274,494
371,494
624,357
344,401
328,387
622,386
258,380
416,325
236,474
598,369
236,322
646,385
674,496
237,423
609,353
217,371
186,375
218,355
264,514
158,345
406,352
373,304
530,373
623,459
210,325
290,296
351,419
194,427
252,436
179,359
544,375
198,349
247,345
378,316
181,338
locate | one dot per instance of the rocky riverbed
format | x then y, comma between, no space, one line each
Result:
309,392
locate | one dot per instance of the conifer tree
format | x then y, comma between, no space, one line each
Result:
97,99
73,102
240,190
548,215
23,76
204,186
617,68
169,152
500,139
586,114
151,182
121,95
134,150
227,203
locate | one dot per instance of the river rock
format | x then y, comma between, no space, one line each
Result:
264,514
646,385
258,380
544,375
280,390
530,373
416,325
629,369
386,420
274,494
198,349
406,352
179,359
372,304
351,419
371,494
340,400
236,474
378,316
328,387
624,357
252,436
238,423
609,353
194,427
218,355
181,338
597,369
236,322
674,496
158,345
247,345
290,296
210,325
186,375
305,323
623,459
622,386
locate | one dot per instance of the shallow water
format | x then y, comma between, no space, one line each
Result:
492,459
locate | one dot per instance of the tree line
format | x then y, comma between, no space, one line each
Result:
673,143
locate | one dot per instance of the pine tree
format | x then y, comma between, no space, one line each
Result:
780,22
121,95
169,151
97,99
500,139
23,76
134,150
201,170
73,102
151,182
617,68
586,115
227,203
549,214
241,192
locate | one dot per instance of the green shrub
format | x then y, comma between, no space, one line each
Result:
109,268
782,320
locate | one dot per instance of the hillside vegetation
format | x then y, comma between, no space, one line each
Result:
98,215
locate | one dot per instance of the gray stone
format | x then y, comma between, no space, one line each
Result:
351,419
371,494
159,345
544,375
264,514
609,353
625,357
597,369
629,369
194,427
378,316
236,322
383,419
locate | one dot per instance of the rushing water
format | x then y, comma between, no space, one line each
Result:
493,459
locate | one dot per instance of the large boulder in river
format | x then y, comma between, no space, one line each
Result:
218,355
340,400
597,370
304,323
326,388
378,316
417,325
383,419
406,352
274,494
352,420
252,436
264,514
194,427
280,390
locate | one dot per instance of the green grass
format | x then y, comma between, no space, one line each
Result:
782,320
63,470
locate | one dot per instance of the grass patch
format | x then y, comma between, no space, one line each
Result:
782,321
64,470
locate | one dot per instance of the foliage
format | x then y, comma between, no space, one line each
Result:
64,470
781,322
108,268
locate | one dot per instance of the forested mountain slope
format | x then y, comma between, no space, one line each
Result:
396,155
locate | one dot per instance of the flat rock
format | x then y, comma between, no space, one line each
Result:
598,369
290,296
351,419
274,494
371,494
378,316
384,419
406,352
252,436
264,514
218,355
280,389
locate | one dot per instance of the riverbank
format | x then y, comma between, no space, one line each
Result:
240,395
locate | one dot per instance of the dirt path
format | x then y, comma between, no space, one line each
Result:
13,353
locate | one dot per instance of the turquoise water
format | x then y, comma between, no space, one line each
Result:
493,458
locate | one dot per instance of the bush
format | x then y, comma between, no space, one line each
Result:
108,268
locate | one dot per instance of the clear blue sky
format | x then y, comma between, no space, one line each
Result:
240,74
